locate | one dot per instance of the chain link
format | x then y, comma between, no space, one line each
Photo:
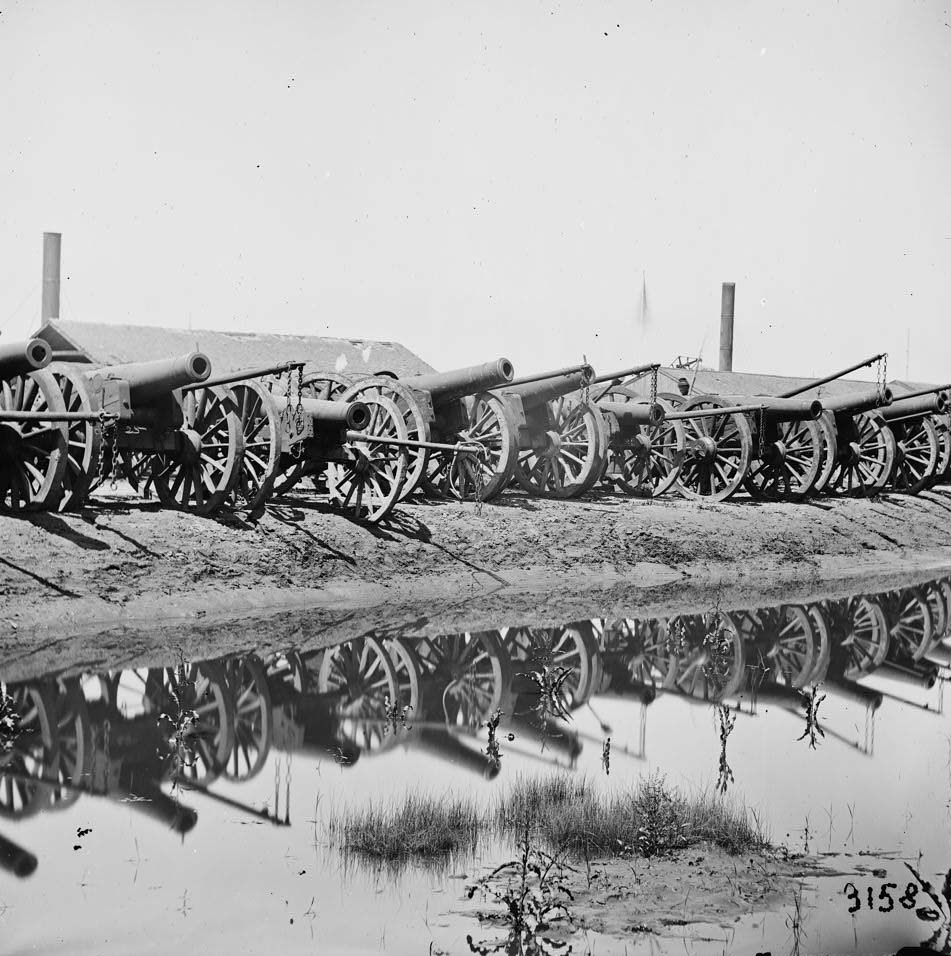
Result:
584,382
653,386
882,375
299,411
760,430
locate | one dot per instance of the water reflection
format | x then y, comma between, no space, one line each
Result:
152,737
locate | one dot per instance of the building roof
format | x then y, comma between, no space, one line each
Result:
106,344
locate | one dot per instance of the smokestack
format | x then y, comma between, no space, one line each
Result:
51,252
727,298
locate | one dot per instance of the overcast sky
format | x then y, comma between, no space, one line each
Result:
490,178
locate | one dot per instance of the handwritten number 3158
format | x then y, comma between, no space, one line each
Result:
907,899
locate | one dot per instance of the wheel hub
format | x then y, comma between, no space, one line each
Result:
704,448
10,441
774,453
552,445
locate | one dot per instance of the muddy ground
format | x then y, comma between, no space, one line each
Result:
126,581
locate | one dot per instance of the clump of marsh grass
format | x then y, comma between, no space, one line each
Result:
652,819
420,826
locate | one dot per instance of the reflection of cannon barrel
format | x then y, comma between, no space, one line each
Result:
554,734
449,747
150,799
778,695
629,414
14,859
781,409
852,692
939,654
21,358
859,401
922,675
537,391
149,381
343,414
932,404
445,386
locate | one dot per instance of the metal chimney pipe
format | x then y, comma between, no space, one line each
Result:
51,258
727,299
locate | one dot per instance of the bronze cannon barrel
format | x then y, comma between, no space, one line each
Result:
21,358
15,859
935,403
445,386
539,390
629,414
855,402
781,409
355,415
149,381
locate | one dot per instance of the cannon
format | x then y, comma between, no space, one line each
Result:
562,442
914,420
33,437
859,449
451,409
185,442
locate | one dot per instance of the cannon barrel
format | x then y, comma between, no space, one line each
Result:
21,358
815,383
445,386
441,743
634,413
939,654
782,409
935,403
536,391
15,859
149,381
156,803
864,401
354,415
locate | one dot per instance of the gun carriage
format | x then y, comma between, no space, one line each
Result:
920,451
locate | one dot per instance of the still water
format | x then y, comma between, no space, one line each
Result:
142,810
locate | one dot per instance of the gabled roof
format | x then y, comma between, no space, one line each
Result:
105,344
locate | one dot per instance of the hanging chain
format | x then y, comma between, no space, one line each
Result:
477,478
299,411
584,384
760,430
882,375
653,386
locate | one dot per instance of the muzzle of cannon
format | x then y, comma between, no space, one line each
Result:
21,358
446,386
144,383
536,390
324,414
154,802
934,403
14,859
627,415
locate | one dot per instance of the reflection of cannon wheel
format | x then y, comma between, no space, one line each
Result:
935,599
569,647
945,585
910,625
252,717
823,644
409,673
207,742
361,681
789,652
471,676
74,741
866,641
711,655
644,653
33,752
287,668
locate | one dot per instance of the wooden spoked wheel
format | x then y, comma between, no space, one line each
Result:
490,428
638,654
251,702
711,655
201,473
944,586
790,462
792,650
558,649
33,455
84,438
866,640
409,705
938,610
942,423
74,743
718,452
261,431
369,484
918,451
361,683
414,421
822,643
569,458
865,457
470,677
28,751
830,446
326,386
911,628
650,464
